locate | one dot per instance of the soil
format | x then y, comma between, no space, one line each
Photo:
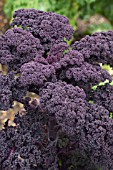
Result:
4,23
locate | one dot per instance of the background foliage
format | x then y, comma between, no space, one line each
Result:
73,9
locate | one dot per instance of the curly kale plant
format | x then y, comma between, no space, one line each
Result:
68,127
